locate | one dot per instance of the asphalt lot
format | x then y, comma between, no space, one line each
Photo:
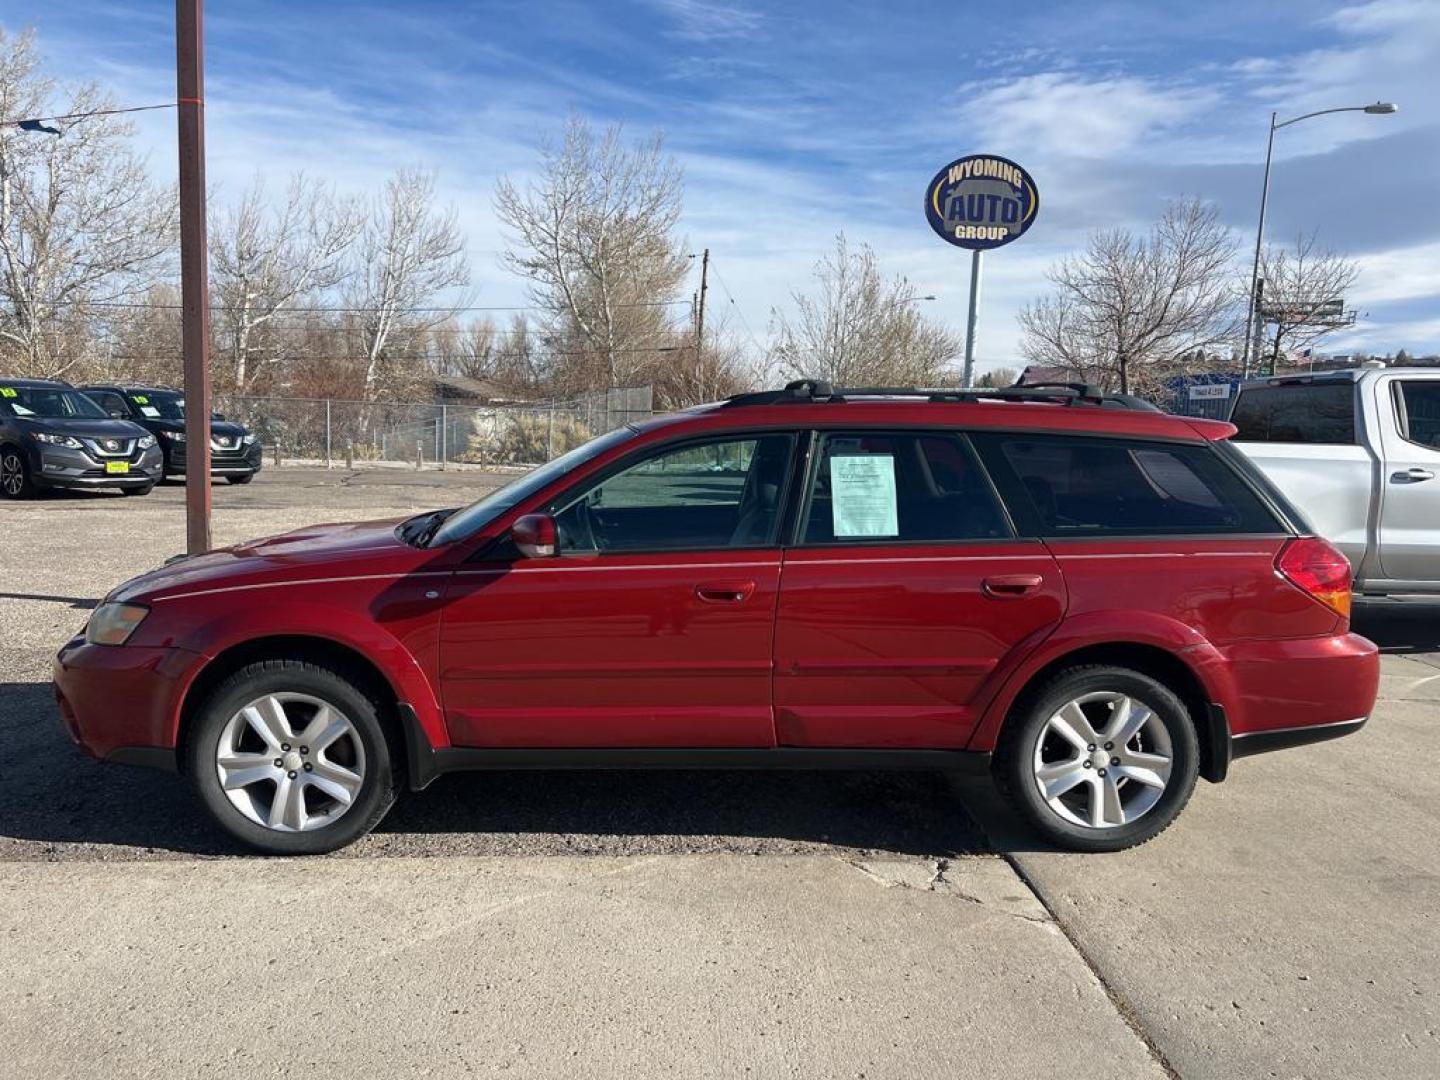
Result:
694,924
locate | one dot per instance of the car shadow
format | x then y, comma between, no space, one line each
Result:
54,799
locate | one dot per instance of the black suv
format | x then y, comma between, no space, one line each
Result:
53,436
235,454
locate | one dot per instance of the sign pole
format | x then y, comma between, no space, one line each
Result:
968,378
194,285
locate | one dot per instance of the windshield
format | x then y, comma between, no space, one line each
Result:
50,403
479,514
159,404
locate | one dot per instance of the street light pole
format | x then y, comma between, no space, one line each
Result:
1252,310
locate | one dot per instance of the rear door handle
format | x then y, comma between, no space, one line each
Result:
1010,586
725,592
1411,476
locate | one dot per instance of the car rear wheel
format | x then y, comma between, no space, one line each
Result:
292,758
244,478
1099,758
15,481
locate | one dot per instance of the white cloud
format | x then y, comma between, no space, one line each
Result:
698,20
1065,113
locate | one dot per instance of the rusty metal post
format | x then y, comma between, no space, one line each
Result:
194,280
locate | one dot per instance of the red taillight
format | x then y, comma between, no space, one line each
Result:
1317,568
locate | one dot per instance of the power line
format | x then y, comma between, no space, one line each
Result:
137,305
743,321
33,120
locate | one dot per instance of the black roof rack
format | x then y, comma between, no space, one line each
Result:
813,391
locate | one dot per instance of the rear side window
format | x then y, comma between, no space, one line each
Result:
899,487
1322,412
1418,406
1118,487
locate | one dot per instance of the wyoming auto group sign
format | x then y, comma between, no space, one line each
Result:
981,202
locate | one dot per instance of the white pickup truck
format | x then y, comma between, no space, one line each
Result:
1358,453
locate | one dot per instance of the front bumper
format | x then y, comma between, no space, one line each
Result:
122,702
65,467
223,462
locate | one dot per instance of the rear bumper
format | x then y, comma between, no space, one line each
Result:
1272,686
120,703
1262,742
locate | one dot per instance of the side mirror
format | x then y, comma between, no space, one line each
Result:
535,537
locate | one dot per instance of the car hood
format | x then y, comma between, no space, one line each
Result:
217,427
333,551
84,427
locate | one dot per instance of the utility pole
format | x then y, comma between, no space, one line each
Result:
194,280
700,311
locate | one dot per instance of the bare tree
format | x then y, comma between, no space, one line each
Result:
81,225
861,329
697,372
266,260
1299,284
1128,307
595,236
408,255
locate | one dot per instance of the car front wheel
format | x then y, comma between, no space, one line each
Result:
292,758
15,481
1099,758
240,478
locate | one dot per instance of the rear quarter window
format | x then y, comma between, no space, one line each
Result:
1069,486
1321,412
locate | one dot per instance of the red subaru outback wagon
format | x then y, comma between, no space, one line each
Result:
1096,603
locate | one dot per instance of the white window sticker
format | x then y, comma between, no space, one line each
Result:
150,411
862,492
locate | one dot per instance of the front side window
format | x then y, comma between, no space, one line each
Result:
721,494
1321,412
899,487
1419,407
1117,487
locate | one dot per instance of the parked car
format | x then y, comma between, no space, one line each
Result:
1358,452
1096,604
53,436
235,454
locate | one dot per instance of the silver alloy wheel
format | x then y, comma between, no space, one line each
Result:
290,762
1103,760
12,474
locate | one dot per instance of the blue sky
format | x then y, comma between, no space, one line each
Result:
794,121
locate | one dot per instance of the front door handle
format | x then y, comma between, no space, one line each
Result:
1011,586
725,592
1411,476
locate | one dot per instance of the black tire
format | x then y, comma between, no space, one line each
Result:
380,784
138,491
241,479
15,479
1015,757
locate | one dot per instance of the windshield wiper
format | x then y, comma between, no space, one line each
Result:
425,535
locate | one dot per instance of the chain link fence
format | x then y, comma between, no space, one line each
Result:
329,429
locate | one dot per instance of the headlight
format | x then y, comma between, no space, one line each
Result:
55,440
112,624
247,440
147,441
175,436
